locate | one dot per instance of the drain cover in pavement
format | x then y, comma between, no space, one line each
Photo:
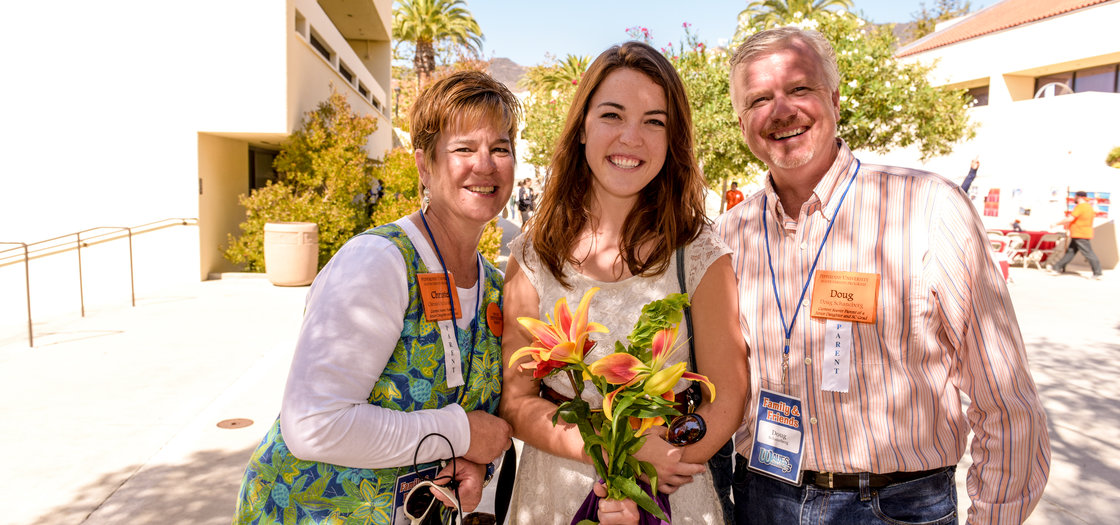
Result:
235,423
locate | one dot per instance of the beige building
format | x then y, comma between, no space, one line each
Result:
156,116
1046,82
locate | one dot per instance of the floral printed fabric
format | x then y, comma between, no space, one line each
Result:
280,488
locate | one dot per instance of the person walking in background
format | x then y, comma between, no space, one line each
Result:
1080,226
526,201
870,303
513,200
733,196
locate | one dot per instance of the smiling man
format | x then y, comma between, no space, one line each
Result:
870,301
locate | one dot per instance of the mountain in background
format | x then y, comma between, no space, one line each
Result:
507,72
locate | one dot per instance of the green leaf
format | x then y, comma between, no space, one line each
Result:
648,469
631,490
656,316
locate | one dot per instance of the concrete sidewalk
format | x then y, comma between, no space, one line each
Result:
113,418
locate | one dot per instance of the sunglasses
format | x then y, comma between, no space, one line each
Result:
686,429
419,501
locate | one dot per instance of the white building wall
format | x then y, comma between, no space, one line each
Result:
108,106
1032,150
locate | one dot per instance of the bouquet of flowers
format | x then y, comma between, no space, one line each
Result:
635,382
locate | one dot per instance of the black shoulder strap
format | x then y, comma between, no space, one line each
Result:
687,310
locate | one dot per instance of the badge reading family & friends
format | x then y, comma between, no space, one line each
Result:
778,437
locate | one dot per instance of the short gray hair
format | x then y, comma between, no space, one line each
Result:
771,40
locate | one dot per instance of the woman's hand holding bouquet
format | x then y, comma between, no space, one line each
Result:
636,382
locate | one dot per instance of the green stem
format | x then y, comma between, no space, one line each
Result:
577,386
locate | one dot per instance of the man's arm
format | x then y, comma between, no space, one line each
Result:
1011,447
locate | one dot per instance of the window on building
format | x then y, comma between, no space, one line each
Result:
346,73
1105,79
1060,79
362,90
320,46
979,96
1101,78
301,24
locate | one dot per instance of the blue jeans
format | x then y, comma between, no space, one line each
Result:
931,500
722,477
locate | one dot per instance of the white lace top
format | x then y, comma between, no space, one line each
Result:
549,489
618,304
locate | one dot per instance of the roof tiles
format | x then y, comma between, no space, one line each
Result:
1004,15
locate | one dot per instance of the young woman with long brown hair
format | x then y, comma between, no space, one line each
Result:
624,193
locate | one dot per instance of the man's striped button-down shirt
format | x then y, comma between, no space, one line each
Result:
944,325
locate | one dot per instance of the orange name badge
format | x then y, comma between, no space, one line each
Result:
845,296
433,292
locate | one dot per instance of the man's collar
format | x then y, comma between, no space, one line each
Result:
838,173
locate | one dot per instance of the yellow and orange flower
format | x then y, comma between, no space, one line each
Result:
562,340
624,369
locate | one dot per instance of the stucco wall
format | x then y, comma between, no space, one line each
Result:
223,169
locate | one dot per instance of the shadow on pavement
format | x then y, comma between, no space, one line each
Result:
1075,384
201,492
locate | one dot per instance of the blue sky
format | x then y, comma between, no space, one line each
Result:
524,31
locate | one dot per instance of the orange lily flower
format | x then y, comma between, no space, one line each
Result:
562,340
624,369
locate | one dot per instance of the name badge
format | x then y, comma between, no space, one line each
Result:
433,293
405,483
845,296
778,437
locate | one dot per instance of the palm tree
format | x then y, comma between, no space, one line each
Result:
564,74
425,23
773,13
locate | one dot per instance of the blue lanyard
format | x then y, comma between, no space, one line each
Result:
451,300
788,329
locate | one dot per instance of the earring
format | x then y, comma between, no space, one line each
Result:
426,201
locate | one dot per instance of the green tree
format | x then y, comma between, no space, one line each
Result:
1113,158
774,13
324,175
407,84
884,103
720,149
551,87
925,20
561,75
428,23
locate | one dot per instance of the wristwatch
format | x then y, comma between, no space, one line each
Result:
490,468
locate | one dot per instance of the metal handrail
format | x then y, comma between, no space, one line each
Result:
26,288
51,247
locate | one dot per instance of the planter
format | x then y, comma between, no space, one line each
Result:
291,252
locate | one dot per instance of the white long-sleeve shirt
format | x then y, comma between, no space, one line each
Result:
354,316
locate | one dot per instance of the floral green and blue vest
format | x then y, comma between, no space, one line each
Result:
280,488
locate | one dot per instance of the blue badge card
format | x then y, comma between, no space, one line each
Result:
405,484
778,437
